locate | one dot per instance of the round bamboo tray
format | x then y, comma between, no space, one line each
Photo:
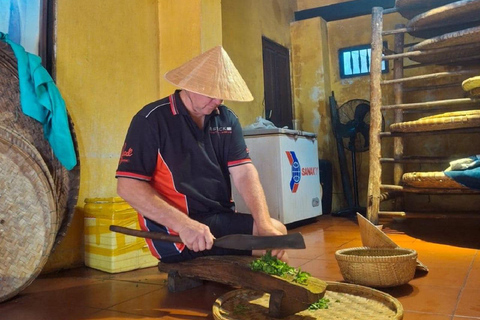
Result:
444,121
430,180
28,218
66,183
377,267
448,18
470,36
471,83
411,8
347,301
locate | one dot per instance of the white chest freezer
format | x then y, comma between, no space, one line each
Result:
287,162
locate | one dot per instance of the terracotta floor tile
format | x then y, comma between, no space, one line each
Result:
469,304
197,302
98,294
426,299
409,315
297,262
327,270
441,276
28,309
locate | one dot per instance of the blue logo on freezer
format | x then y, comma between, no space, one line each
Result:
296,170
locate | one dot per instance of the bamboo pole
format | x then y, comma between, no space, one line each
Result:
389,187
375,172
398,145
418,53
438,103
431,76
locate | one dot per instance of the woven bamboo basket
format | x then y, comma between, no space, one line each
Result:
373,237
347,301
430,180
66,183
28,216
377,267
445,121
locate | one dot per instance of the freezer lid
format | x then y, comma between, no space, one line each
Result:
253,132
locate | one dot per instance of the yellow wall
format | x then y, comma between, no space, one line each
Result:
311,74
244,23
309,4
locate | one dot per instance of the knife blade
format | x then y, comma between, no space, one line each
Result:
233,241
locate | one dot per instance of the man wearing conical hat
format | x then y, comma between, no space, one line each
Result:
179,155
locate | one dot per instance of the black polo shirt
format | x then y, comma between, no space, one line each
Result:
187,165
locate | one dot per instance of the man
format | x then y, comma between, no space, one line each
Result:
179,155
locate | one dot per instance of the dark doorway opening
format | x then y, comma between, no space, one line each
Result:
276,76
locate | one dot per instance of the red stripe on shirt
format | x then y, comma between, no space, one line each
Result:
173,106
238,162
132,175
150,245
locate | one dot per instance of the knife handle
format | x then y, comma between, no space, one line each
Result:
146,234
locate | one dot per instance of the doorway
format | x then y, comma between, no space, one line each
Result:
276,77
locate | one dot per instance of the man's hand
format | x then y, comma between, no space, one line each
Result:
196,236
279,253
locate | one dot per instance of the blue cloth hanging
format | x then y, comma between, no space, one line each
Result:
469,176
41,100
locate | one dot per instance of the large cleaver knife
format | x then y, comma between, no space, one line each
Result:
233,241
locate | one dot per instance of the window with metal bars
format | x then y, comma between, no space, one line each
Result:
355,61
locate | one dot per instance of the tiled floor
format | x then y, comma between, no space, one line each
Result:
449,247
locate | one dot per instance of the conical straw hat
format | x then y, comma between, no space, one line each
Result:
373,237
211,74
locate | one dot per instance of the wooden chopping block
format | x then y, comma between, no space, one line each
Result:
286,297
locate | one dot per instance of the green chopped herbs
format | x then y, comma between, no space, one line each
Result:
320,304
271,265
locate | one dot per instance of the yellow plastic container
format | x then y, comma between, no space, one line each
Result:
111,251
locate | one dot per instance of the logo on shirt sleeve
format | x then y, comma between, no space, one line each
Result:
126,154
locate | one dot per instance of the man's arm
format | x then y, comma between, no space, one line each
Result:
144,199
246,180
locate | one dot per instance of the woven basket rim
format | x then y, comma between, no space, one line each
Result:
400,254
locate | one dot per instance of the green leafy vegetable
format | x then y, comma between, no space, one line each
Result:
271,265
320,304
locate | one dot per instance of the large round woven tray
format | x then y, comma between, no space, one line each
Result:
66,182
470,36
347,301
411,8
445,19
28,218
430,180
444,121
